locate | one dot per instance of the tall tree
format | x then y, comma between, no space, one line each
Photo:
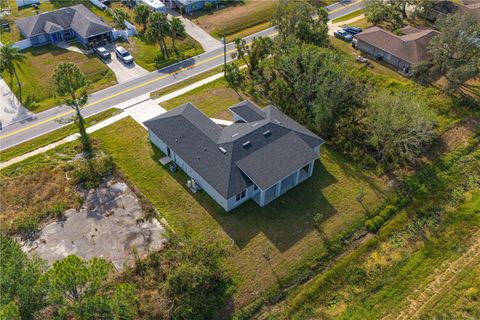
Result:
391,11
233,76
158,28
78,288
254,54
399,126
21,294
301,20
315,86
72,84
177,29
142,12
10,58
119,17
455,52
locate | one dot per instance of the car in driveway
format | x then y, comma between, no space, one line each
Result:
343,35
123,55
353,30
102,53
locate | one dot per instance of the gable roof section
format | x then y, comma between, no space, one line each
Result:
78,17
411,47
248,111
196,139
276,161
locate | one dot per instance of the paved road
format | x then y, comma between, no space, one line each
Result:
48,120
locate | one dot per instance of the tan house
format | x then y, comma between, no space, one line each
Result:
400,51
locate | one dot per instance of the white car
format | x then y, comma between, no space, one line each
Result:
123,55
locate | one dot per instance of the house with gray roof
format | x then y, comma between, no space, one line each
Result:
261,156
65,24
400,51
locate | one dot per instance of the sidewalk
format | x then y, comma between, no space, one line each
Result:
140,109
204,38
11,110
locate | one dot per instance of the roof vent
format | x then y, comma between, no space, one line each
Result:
198,157
267,133
222,150
176,140
235,134
276,121
204,148
247,144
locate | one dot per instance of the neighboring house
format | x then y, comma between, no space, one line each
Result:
260,156
189,6
443,8
402,52
65,24
23,3
154,5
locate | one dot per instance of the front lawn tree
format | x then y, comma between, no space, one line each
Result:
177,29
158,28
72,84
10,59
233,76
141,15
253,55
455,52
119,18
399,126
301,20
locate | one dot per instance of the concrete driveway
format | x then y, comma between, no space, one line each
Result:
123,72
204,38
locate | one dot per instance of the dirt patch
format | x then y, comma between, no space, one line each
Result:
109,225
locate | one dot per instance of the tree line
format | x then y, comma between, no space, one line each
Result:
302,74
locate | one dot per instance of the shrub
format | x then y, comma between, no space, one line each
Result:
90,173
387,212
27,225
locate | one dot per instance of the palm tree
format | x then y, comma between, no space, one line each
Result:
10,58
141,15
157,30
177,28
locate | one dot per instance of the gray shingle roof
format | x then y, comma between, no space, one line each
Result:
78,17
197,139
277,160
248,111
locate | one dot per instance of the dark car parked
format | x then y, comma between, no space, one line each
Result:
344,35
353,30
102,53
123,55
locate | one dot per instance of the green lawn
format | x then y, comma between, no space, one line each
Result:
36,72
54,136
283,231
213,99
349,16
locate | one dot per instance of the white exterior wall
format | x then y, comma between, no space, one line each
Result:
23,44
250,193
190,172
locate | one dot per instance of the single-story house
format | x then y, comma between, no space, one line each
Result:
154,5
402,52
444,7
189,6
65,24
262,155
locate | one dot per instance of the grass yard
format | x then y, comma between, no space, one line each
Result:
36,73
349,16
54,136
427,257
239,20
270,242
213,99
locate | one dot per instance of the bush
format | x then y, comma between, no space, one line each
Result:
387,212
27,225
90,173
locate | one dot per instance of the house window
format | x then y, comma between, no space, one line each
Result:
241,195
255,188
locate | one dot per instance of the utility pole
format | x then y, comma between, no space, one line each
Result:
224,49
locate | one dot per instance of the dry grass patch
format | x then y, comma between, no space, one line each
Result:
236,18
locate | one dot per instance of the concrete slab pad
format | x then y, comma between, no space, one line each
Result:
108,226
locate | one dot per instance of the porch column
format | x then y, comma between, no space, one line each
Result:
262,198
297,177
278,188
310,168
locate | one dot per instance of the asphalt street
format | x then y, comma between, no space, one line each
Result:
55,118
